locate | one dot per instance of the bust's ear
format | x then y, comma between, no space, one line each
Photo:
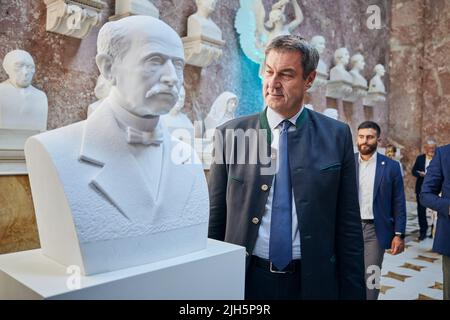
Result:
104,64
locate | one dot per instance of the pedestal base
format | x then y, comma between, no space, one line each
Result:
218,272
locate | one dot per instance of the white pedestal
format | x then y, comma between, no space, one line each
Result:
218,272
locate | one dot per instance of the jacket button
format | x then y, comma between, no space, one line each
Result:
255,220
264,187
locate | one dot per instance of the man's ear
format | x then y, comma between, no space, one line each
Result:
104,64
310,79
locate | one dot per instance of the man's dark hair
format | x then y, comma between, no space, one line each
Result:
310,56
370,125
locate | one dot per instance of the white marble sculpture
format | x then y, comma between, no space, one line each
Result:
125,8
114,179
177,122
331,113
222,110
359,82
377,90
22,106
255,33
73,18
203,43
101,90
318,42
341,81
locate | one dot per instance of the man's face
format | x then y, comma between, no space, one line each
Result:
149,76
430,149
367,141
21,71
284,86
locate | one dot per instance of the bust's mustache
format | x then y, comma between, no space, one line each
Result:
158,89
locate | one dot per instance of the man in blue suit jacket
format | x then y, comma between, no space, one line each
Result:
382,203
437,181
419,169
306,211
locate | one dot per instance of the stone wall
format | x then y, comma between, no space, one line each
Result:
419,78
66,69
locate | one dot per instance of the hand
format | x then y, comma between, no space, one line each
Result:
421,173
397,245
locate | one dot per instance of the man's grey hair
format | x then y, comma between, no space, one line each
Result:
431,142
310,56
113,40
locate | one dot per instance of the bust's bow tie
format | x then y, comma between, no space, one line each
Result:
143,137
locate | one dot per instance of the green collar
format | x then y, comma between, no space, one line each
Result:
265,123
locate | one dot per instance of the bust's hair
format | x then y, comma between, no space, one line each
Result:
10,57
310,56
113,40
355,58
378,66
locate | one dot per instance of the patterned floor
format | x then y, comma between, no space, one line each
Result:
416,274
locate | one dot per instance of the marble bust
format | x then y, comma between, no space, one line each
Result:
222,110
318,42
338,72
201,24
22,106
376,84
177,122
358,65
359,82
117,200
341,81
101,91
377,90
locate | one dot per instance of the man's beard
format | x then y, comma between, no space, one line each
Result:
370,150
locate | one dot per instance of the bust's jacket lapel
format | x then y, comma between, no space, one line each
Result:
119,179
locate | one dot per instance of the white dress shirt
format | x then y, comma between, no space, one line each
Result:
262,241
367,171
149,157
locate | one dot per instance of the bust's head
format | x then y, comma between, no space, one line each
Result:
358,62
143,59
19,66
206,7
341,56
379,70
318,42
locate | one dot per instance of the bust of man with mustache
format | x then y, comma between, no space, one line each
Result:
114,178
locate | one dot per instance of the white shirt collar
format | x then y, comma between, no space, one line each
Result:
275,119
372,159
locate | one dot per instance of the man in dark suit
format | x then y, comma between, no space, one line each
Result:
382,203
419,169
437,181
290,196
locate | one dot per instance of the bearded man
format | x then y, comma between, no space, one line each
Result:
382,204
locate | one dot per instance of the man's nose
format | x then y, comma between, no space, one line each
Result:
274,83
169,75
